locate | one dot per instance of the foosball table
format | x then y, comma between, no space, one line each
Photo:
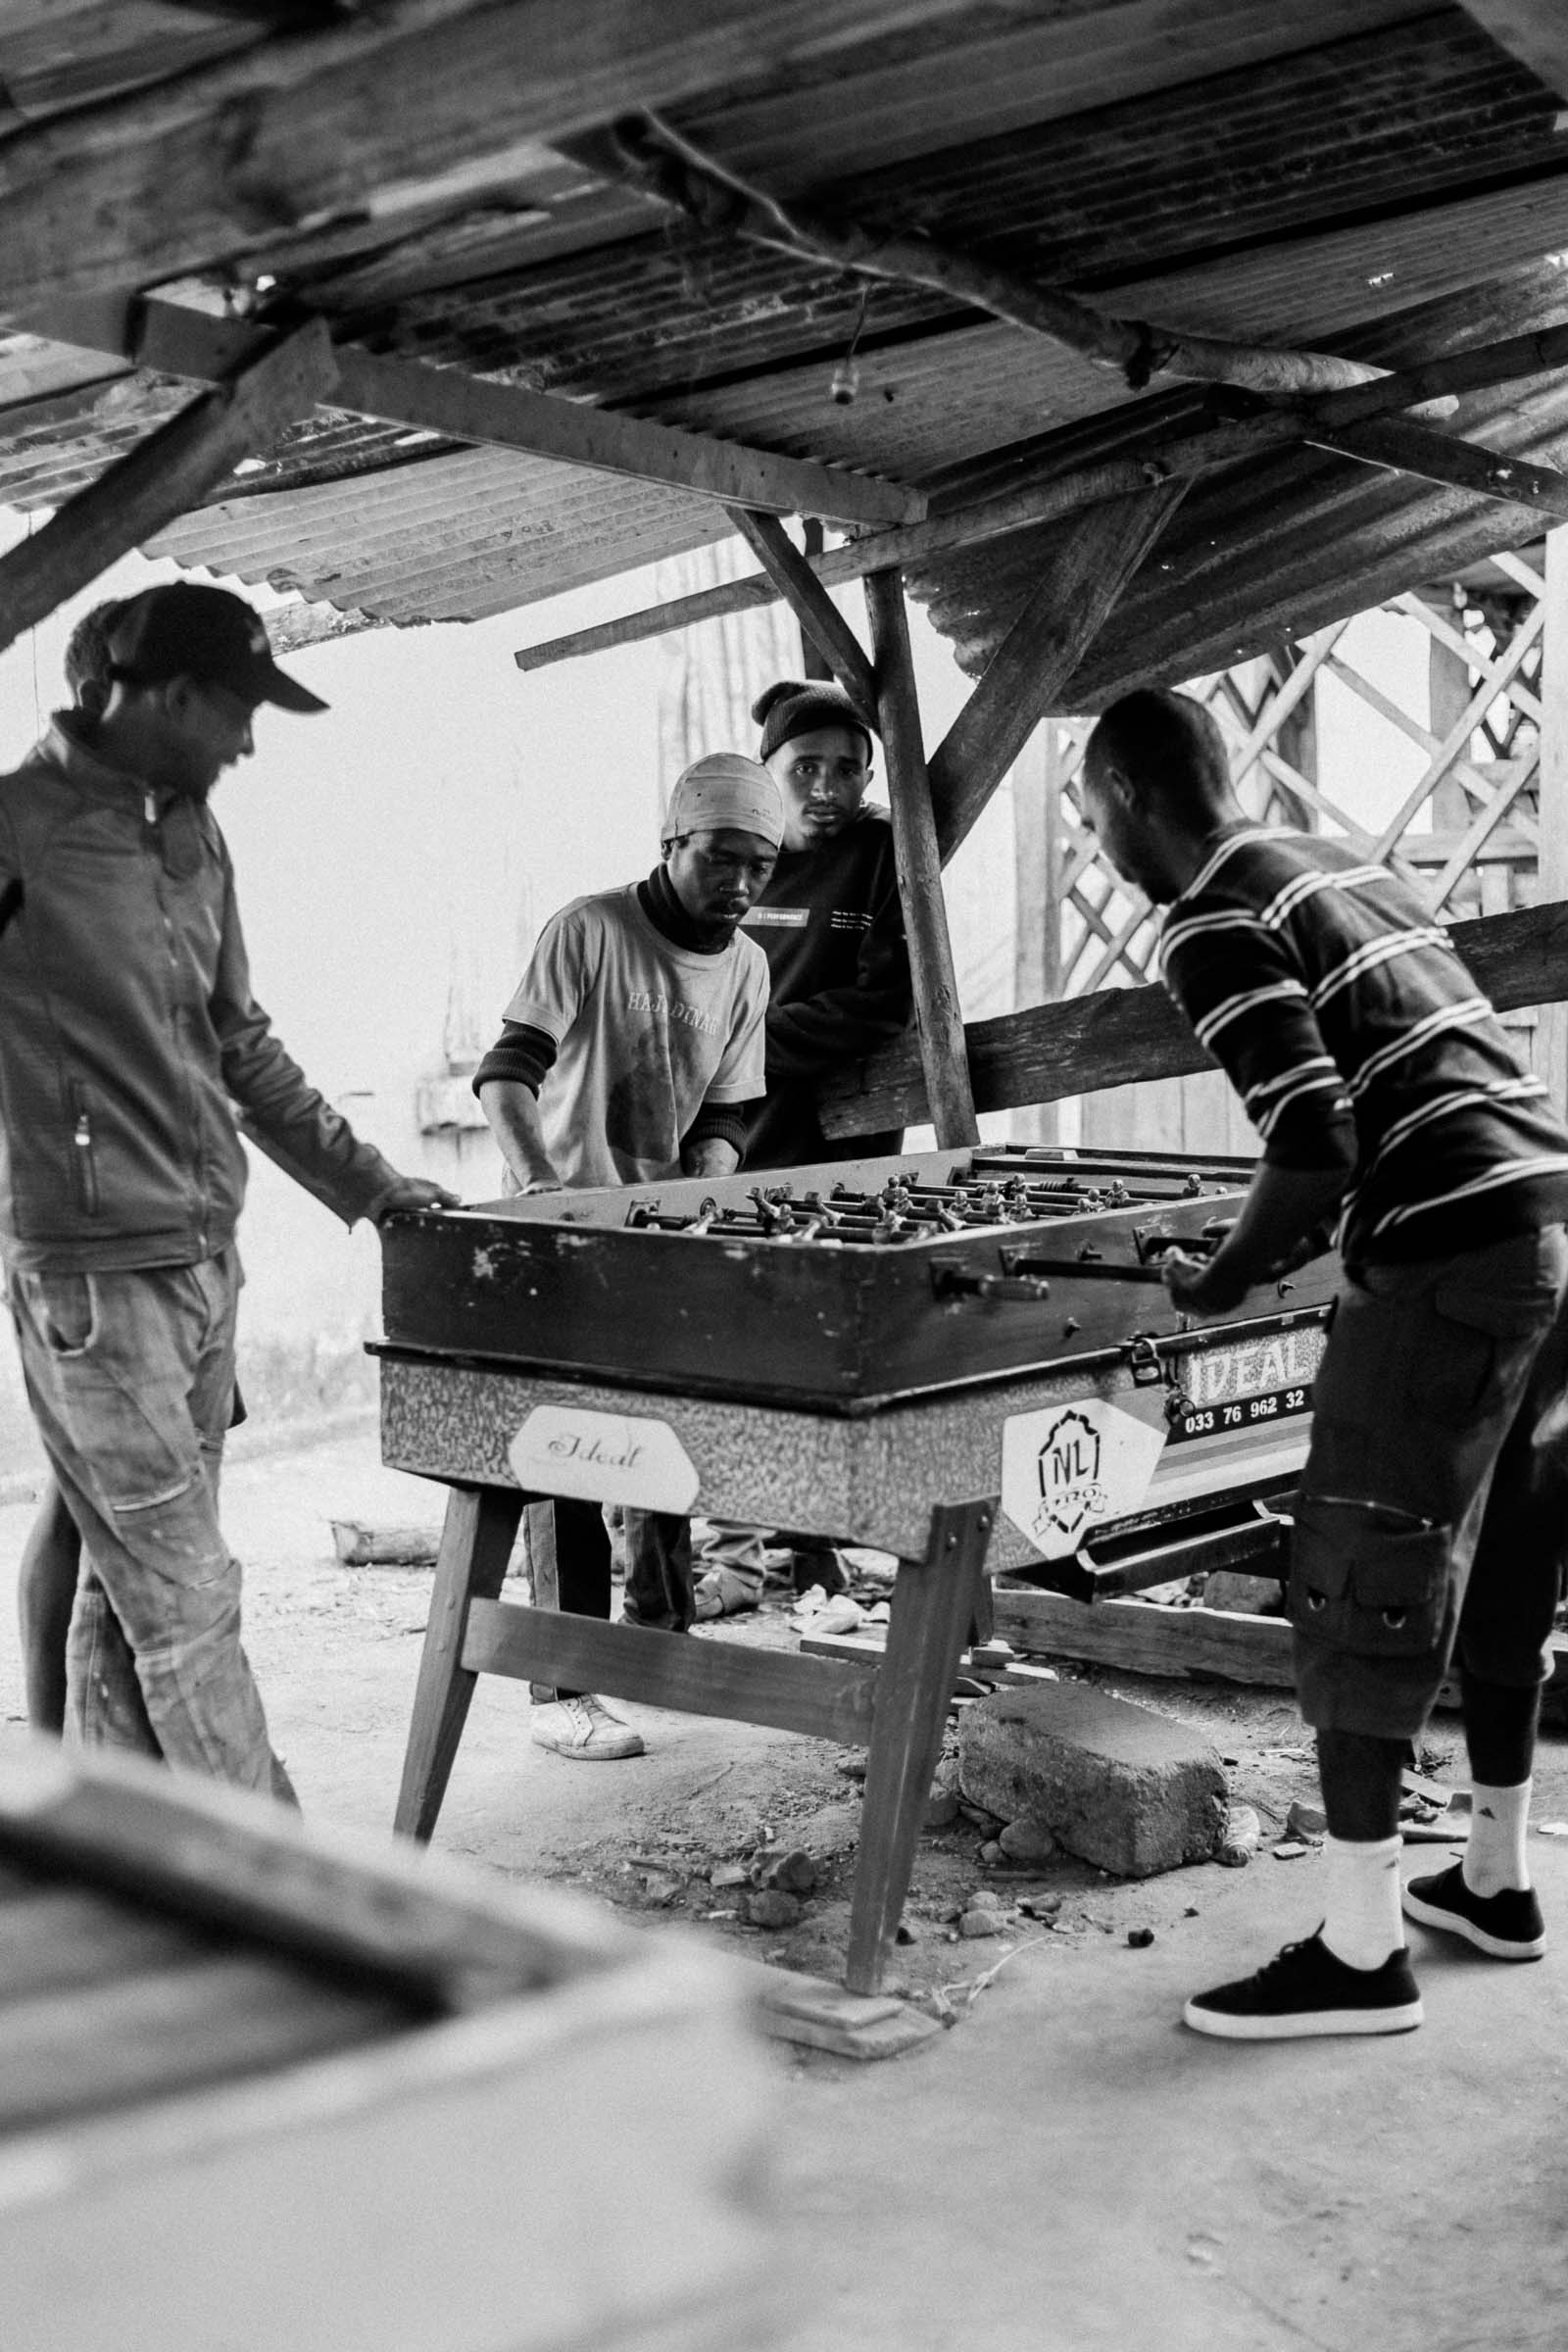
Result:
968,1361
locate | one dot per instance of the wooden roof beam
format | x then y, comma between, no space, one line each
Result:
819,616
173,341
164,475
1405,447
388,109
1088,566
1263,426
1126,1036
467,408
659,159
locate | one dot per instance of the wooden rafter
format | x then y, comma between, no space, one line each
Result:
659,159
819,616
404,104
1405,447
1186,455
165,475
938,1015
467,408
1088,566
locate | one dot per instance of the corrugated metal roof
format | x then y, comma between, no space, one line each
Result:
448,539
1283,170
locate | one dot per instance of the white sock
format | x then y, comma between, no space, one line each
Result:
1362,1923
1494,1857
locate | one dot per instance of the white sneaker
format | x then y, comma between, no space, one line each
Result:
584,1728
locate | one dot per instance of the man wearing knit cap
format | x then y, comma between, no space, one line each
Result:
829,923
628,1055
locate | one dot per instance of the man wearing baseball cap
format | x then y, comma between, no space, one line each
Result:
631,1051
128,1035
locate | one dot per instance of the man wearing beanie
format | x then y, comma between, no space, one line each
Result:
829,923
129,1030
630,1053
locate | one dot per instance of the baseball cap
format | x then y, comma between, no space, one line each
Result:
725,790
186,631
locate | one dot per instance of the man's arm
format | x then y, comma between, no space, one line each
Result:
511,1106
1282,1207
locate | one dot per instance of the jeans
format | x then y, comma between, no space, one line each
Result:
130,1377
573,1538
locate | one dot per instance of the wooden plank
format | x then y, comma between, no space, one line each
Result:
1141,1637
1534,31
152,2035
1402,446
938,1014
467,408
696,1676
932,1602
164,475
1126,1036
482,1523
237,1870
823,625
396,108
1089,563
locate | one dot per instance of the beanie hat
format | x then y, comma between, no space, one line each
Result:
721,791
796,706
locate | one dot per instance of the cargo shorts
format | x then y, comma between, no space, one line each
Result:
1432,1521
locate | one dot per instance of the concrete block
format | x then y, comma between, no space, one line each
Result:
1116,1785
1251,1595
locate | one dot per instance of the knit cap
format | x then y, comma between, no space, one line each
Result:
796,707
723,791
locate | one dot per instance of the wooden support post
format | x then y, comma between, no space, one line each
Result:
162,477
933,1601
819,616
1551,1024
813,541
1036,895
939,1018
476,1546
1092,559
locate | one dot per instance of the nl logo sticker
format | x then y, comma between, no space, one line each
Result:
1069,1468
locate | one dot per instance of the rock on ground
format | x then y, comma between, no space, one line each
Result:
1132,1792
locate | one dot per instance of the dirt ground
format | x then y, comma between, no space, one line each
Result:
1066,2169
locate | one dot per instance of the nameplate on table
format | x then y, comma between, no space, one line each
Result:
604,1457
1068,1468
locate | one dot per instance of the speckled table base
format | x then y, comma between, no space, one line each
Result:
873,1481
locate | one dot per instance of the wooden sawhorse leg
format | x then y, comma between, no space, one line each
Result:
476,1540
933,1602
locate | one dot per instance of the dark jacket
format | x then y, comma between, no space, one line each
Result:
128,1028
832,929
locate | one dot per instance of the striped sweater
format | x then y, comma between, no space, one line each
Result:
1334,1003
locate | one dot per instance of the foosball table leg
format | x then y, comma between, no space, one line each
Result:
933,1601
476,1540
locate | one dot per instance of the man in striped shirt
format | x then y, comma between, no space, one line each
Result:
1432,1514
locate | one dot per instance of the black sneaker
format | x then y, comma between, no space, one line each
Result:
1507,1926
1305,1989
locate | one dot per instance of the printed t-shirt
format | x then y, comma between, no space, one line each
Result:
645,1034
